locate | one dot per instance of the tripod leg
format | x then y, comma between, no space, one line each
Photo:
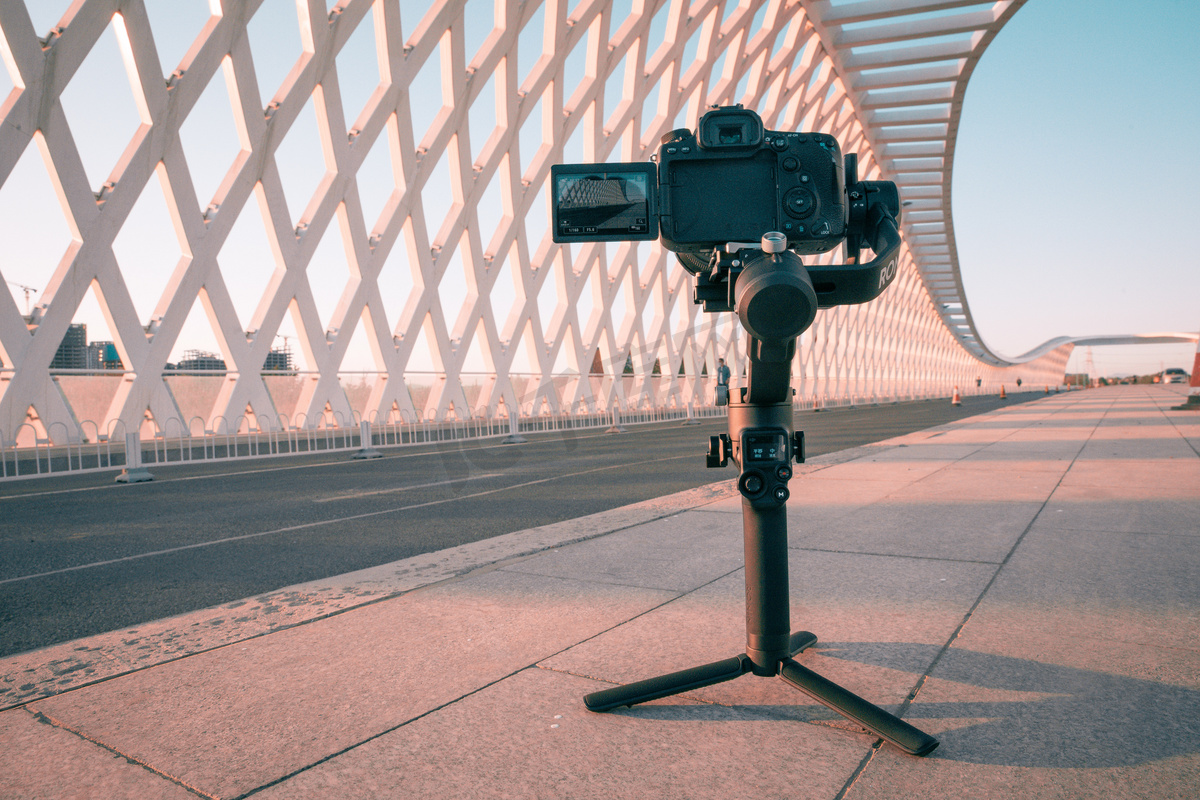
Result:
667,685
801,641
853,707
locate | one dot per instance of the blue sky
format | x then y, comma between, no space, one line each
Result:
1070,196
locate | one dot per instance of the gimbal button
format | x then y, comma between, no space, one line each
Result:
752,484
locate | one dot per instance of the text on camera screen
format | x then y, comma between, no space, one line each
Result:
603,203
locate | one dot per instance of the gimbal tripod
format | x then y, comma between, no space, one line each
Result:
762,443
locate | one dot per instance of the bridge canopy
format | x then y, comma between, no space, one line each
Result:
347,204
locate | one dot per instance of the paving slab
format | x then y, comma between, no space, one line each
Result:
1051,715
233,719
1128,587
850,600
44,762
950,529
530,737
680,553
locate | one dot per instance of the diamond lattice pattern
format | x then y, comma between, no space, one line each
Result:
366,182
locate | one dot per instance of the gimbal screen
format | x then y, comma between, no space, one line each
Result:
764,447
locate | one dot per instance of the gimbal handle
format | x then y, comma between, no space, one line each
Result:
874,214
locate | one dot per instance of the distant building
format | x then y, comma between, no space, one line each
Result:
104,355
200,361
279,360
73,351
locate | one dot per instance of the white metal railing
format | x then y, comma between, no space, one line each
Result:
175,442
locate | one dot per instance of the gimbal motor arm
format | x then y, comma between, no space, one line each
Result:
776,296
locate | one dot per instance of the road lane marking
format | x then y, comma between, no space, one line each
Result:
349,518
397,489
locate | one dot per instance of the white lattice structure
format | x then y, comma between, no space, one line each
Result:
507,320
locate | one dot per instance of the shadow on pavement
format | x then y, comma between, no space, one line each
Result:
1086,719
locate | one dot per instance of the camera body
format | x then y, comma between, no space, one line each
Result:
711,195
731,181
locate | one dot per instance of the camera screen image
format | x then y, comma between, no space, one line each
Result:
604,202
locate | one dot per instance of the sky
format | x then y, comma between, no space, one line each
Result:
1070,203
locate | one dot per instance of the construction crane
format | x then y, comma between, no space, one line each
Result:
29,290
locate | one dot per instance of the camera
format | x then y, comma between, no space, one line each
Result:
710,195
739,205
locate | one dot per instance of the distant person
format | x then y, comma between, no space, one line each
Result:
1018,383
722,383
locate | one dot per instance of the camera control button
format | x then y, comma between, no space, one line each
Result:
799,202
779,143
791,164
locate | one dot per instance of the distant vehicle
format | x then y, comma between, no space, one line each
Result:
1174,375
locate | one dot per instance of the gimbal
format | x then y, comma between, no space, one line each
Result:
776,300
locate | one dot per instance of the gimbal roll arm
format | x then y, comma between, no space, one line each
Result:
874,223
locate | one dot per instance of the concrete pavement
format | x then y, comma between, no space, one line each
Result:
1025,585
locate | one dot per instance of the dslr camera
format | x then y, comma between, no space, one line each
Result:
739,205
711,193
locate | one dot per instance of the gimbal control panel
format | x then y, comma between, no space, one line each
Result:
766,460
765,456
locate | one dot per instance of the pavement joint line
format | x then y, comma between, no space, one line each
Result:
45,719
330,756
859,770
320,523
893,555
639,615
924,678
1174,420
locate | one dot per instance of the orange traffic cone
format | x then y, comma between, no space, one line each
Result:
956,400
1003,394
816,403
1047,388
